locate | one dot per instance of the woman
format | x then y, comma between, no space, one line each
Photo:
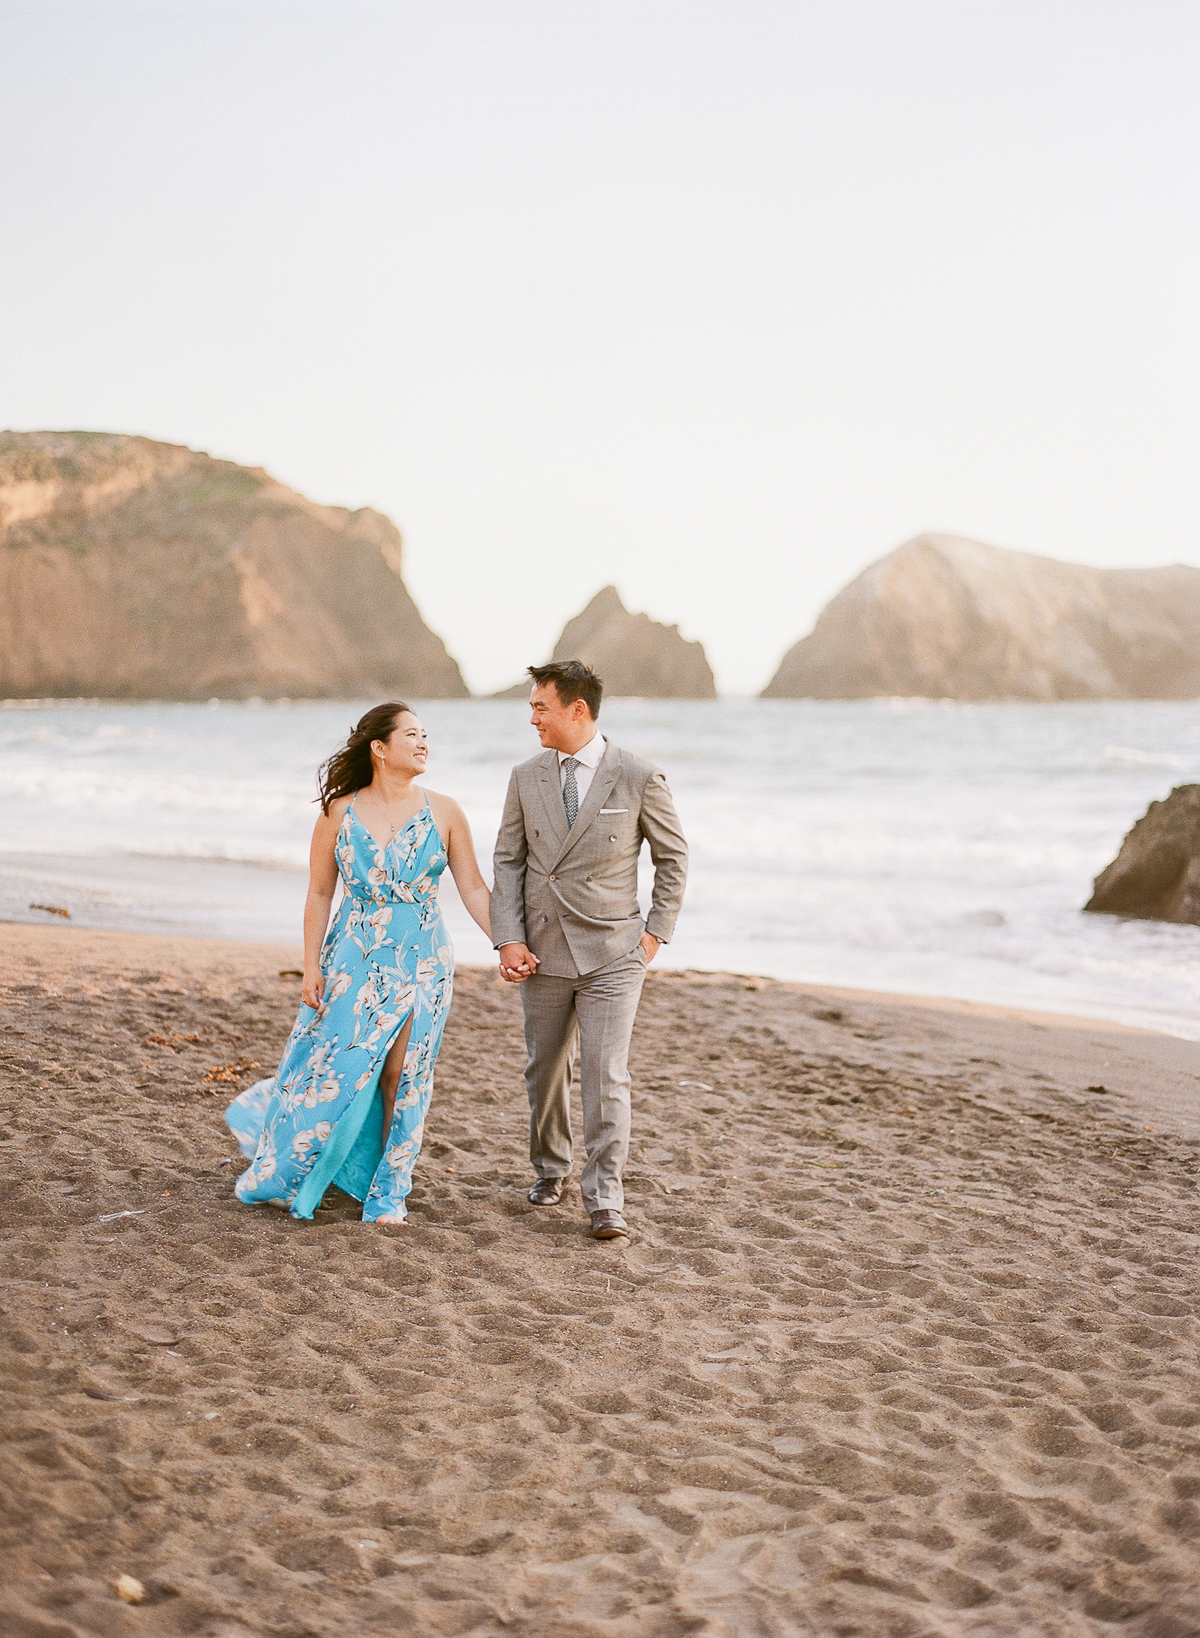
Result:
347,1104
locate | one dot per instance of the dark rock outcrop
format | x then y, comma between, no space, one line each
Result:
633,654
945,618
1156,875
139,570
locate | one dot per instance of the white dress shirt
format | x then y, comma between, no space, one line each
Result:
588,758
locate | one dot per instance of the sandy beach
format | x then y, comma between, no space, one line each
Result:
904,1342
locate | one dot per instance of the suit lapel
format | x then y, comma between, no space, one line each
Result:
603,781
552,802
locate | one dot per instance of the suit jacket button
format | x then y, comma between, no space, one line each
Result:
554,878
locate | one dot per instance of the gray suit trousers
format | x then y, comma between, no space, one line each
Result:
594,1013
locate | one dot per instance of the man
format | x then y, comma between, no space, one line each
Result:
566,921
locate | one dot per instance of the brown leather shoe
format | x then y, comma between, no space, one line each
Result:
547,1191
609,1225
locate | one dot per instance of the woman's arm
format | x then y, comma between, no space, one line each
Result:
322,881
464,867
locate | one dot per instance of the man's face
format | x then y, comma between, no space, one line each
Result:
559,727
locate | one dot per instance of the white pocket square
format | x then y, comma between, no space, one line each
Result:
614,810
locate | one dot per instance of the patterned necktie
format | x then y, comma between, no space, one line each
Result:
571,790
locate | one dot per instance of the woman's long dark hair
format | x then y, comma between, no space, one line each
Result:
353,767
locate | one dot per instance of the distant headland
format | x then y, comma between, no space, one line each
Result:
132,569
946,618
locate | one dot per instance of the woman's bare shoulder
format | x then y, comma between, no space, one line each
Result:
444,806
338,809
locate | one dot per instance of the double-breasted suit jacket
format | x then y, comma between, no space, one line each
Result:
570,895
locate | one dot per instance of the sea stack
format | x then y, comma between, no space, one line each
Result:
946,618
635,655
1156,875
133,569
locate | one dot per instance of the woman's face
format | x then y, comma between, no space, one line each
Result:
406,749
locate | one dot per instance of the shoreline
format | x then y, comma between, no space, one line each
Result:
894,998
1153,1074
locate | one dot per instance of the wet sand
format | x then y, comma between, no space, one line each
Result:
904,1342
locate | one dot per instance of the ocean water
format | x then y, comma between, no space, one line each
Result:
917,846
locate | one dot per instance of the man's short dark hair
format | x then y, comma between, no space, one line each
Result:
572,681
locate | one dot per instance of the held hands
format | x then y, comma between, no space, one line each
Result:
312,988
517,963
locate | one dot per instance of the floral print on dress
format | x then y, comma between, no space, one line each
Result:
386,957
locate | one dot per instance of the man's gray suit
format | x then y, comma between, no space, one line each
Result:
570,895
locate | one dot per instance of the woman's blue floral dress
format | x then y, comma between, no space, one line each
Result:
386,956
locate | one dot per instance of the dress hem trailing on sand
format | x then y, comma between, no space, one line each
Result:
385,960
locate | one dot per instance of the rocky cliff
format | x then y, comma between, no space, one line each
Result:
133,569
947,618
634,654
1156,875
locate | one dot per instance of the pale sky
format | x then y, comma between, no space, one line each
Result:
716,301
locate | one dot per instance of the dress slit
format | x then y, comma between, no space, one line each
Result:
350,1158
